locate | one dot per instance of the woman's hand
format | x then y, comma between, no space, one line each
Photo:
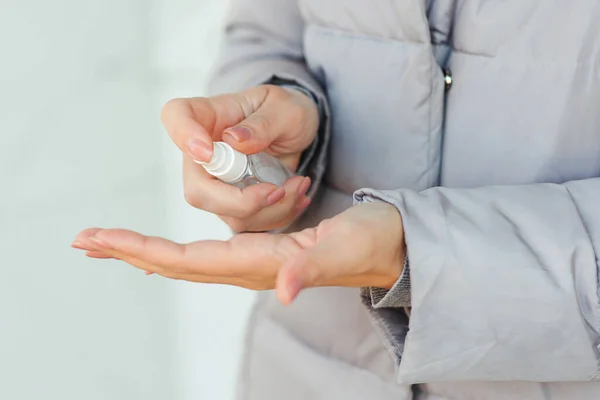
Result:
282,122
363,246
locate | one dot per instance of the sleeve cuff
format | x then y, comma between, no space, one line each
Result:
396,297
399,296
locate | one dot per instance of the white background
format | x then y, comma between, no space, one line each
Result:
81,86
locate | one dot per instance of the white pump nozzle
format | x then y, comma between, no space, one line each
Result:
227,164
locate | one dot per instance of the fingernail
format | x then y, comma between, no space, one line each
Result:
200,150
303,204
275,196
88,245
78,245
293,290
303,188
239,133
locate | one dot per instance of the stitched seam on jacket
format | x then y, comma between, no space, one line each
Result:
585,227
587,231
471,53
330,31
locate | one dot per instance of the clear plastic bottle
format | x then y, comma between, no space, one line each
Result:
241,170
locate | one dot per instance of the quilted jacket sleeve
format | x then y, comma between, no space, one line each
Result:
503,280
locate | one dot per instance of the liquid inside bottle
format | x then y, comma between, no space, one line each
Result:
263,167
241,170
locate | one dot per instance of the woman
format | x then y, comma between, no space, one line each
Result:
476,123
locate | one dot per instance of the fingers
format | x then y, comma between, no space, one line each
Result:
169,273
255,133
255,261
82,241
264,118
289,283
317,264
194,123
279,213
190,133
163,256
150,250
207,193
98,254
296,274
100,249
247,260
286,121
313,267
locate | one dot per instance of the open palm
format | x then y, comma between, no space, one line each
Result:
359,247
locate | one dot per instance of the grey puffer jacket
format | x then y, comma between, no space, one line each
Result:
496,178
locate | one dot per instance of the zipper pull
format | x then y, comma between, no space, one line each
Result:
447,78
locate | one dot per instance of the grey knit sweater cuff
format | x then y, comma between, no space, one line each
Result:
396,297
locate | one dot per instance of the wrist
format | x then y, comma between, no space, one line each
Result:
302,110
390,244
296,90
307,101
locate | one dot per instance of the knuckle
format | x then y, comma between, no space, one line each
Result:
197,199
236,225
262,123
240,207
244,211
194,198
170,106
179,269
277,92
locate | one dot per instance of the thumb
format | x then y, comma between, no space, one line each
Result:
284,116
254,134
296,274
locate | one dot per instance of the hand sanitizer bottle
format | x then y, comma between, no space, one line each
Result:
241,170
